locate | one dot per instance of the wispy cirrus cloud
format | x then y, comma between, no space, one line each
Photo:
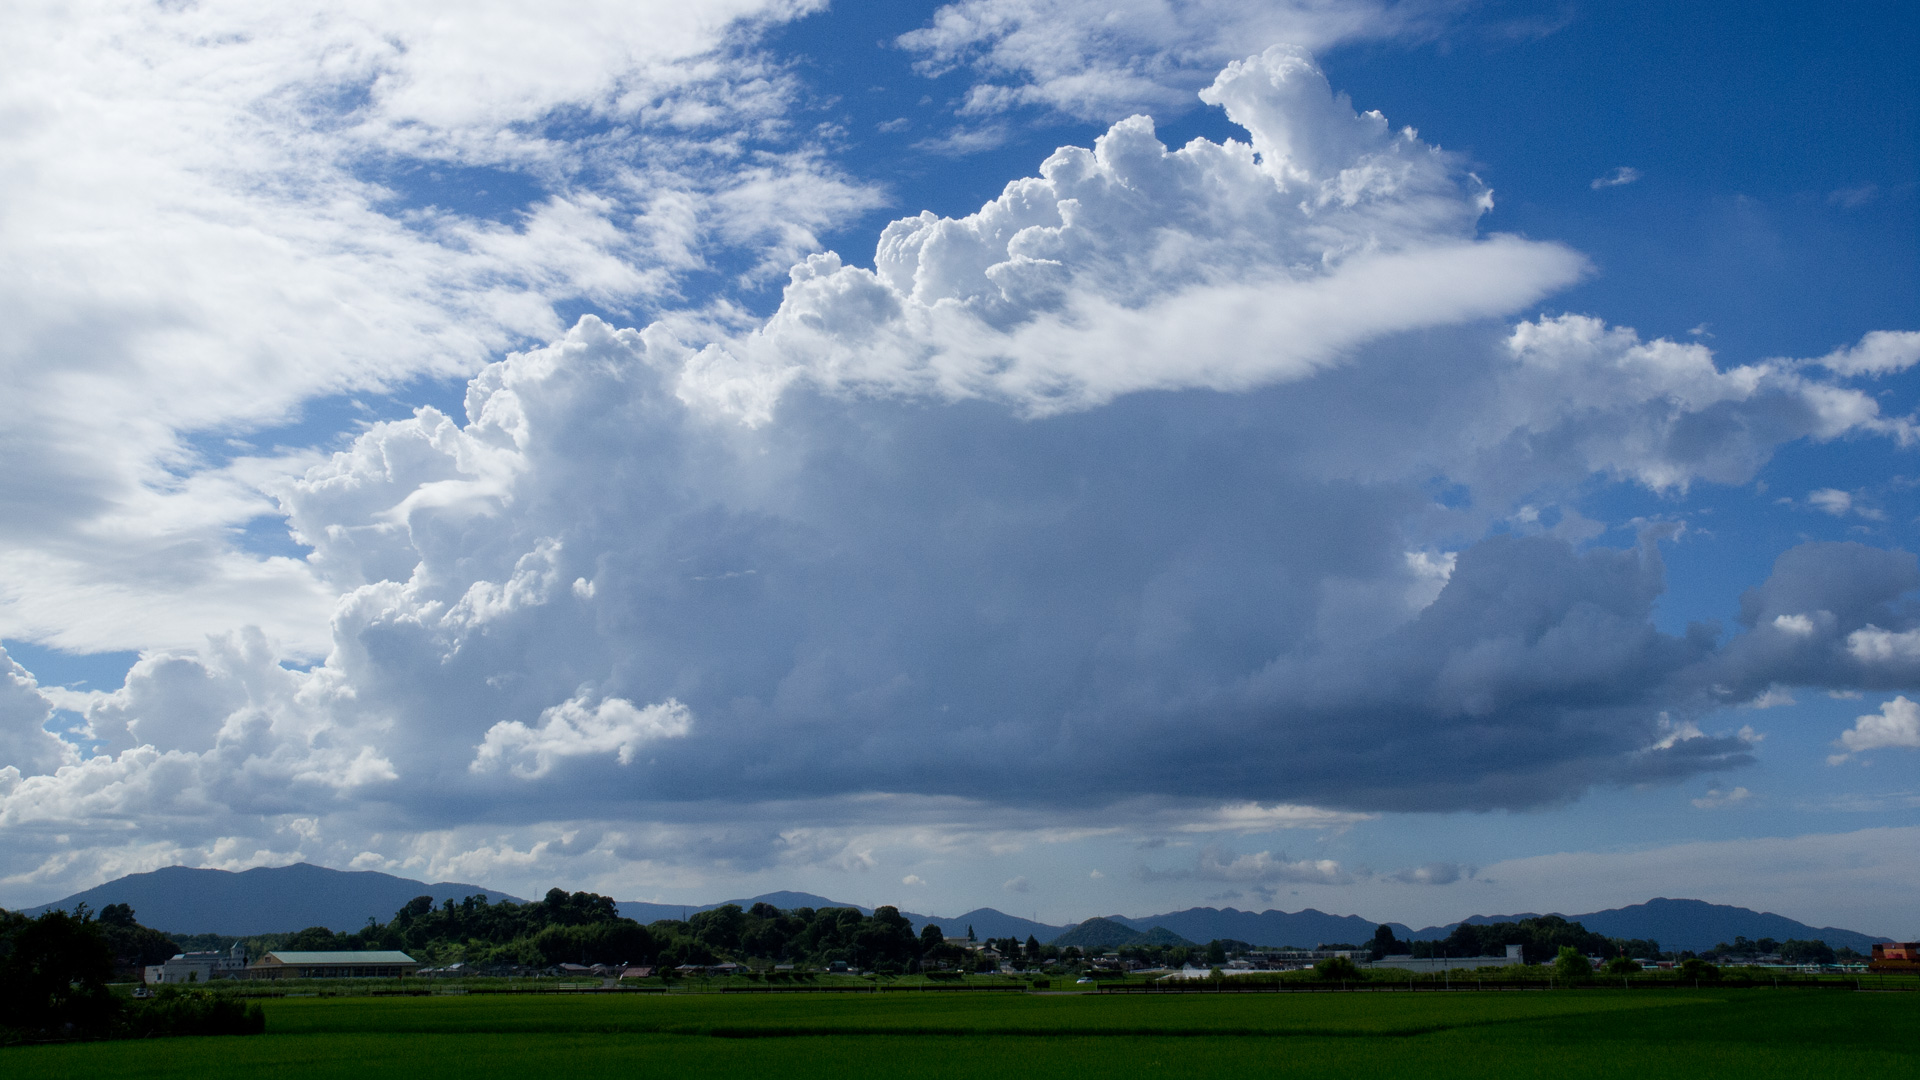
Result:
229,211
1103,61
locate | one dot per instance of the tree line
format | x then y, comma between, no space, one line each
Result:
587,928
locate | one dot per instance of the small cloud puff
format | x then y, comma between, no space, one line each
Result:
1715,798
1897,725
1852,198
1017,885
1625,174
572,729
1831,500
1841,503
1435,873
1879,352
1260,869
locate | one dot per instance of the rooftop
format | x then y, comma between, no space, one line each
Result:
389,956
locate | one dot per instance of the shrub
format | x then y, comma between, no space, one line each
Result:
174,1011
1698,970
1337,967
1571,965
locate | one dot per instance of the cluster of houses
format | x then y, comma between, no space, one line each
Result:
280,964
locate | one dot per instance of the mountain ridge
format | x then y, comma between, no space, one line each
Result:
181,899
1688,924
264,899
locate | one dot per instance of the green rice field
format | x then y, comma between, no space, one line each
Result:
1753,1034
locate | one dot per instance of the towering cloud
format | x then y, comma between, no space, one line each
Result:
1130,267
1223,474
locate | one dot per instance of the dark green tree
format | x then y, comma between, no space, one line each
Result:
132,945
1572,965
1386,944
53,979
1696,969
1806,952
1337,968
314,939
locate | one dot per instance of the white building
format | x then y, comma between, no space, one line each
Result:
200,966
1437,964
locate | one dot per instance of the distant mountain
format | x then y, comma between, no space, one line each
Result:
641,911
1687,924
1112,933
265,899
989,923
1273,928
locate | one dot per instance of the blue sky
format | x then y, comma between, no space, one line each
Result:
652,454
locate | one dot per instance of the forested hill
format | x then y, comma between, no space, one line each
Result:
1686,924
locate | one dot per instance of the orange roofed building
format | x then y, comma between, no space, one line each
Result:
1896,956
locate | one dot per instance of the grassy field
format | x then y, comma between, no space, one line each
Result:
1745,1033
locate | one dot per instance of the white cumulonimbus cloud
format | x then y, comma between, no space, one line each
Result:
1123,483
1129,267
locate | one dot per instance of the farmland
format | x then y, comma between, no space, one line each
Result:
1745,1033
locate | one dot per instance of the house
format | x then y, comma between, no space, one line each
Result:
363,964
637,973
1895,956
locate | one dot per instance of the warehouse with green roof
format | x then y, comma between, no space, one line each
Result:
368,964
